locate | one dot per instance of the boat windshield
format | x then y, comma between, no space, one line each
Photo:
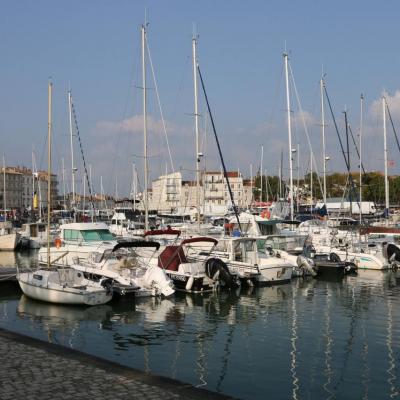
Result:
96,235
88,235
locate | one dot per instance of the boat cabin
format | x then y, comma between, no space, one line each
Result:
86,233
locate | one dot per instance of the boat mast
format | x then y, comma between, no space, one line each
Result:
63,178
261,172
72,149
146,205
84,194
285,57
4,190
360,145
133,193
196,120
348,162
298,177
280,175
49,175
251,184
385,159
311,183
323,137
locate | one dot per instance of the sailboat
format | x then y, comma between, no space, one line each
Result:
60,285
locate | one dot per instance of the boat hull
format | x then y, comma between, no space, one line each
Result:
9,241
275,275
60,296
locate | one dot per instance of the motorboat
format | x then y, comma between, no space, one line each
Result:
78,240
242,256
195,275
128,271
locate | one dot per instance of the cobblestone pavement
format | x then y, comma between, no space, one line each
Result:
36,370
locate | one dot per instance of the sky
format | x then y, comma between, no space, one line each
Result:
93,48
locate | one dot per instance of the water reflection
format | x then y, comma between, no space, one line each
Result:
310,339
24,259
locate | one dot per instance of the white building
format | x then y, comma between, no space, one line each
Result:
166,192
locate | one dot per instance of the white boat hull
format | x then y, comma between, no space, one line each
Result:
9,241
275,275
55,293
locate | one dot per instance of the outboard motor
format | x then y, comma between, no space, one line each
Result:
156,277
305,265
216,269
350,268
107,284
392,253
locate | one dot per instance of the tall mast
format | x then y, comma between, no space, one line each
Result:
298,177
251,184
285,57
72,148
63,178
311,183
385,158
348,162
323,138
33,185
360,145
134,186
49,175
84,193
102,192
261,172
196,121
4,189
146,203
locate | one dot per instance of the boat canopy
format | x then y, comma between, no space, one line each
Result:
137,243
156,232
199,239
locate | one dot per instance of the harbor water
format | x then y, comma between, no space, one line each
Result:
310,339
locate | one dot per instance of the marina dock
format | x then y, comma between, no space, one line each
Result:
34,369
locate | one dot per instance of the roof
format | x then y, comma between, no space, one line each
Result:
85,226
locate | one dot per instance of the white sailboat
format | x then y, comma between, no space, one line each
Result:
60,285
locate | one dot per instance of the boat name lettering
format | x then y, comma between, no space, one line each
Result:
178,277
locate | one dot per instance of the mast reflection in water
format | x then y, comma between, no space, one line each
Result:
309,339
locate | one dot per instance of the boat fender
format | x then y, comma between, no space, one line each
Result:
189,283
57,243
266,214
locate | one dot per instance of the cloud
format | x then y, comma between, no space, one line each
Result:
393,103
134,125
301,117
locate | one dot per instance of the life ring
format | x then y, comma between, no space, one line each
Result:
266,214
57,242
